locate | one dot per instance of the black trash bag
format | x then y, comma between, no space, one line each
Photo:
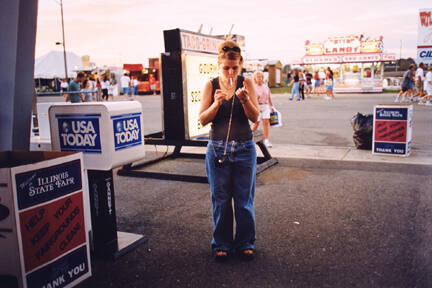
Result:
363,127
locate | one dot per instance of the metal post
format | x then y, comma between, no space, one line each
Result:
64,44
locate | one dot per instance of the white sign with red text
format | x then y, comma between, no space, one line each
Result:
424,38
199,43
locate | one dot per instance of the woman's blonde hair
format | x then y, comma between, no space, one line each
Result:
256,73
230,54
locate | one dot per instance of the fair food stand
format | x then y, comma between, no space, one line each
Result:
357,63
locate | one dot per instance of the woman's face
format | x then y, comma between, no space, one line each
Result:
259,79
229,68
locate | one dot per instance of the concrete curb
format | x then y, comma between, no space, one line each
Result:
417,157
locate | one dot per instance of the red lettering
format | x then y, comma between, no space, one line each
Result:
425,19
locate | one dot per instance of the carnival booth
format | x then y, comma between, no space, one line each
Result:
274,68
357,63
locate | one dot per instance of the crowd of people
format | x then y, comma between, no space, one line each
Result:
416,86
303,82
85,88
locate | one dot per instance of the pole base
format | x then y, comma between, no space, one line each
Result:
127,242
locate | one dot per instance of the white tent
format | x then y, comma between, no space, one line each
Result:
51,65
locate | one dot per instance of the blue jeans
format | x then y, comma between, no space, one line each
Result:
295,90
235,181
125,90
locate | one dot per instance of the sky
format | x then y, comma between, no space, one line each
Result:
113,32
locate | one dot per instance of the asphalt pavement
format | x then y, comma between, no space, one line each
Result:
328,215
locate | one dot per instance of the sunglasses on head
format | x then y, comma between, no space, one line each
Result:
227,48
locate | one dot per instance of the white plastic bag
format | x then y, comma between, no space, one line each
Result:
275,118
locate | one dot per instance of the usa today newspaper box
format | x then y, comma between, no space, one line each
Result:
109,134
392,129
44,220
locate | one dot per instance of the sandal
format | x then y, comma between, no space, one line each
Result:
247,254
221,255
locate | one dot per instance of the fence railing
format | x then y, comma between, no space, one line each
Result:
96,94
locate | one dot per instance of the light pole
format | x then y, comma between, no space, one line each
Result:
63,43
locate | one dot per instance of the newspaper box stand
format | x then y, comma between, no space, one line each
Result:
110,135
392,129
44,220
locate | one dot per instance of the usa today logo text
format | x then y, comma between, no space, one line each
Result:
127,130
79,132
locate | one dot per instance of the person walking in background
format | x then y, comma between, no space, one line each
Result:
265,105
75,86
125,83
229,103
328,87
295,82
317,84
87,91
288,78
131,90
308,86
64,86
302,83
92,84
105,85
428,85
419,79
135,85
330,73
111,90
406,85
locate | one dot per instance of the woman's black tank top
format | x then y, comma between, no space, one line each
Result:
240,130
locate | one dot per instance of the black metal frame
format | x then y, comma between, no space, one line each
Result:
132,170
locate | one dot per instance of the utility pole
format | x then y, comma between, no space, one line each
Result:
64,44
400,55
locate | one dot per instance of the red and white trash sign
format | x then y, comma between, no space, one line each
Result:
47,242
392,129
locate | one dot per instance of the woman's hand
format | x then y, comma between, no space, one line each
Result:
243,93
219,96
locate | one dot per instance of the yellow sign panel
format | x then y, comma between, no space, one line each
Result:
198,70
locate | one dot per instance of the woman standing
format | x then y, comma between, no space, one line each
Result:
295,82
105,85
265,105
229,102
330,73
302,84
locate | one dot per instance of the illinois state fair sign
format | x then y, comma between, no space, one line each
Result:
127,130
52,225
424,39
79,132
